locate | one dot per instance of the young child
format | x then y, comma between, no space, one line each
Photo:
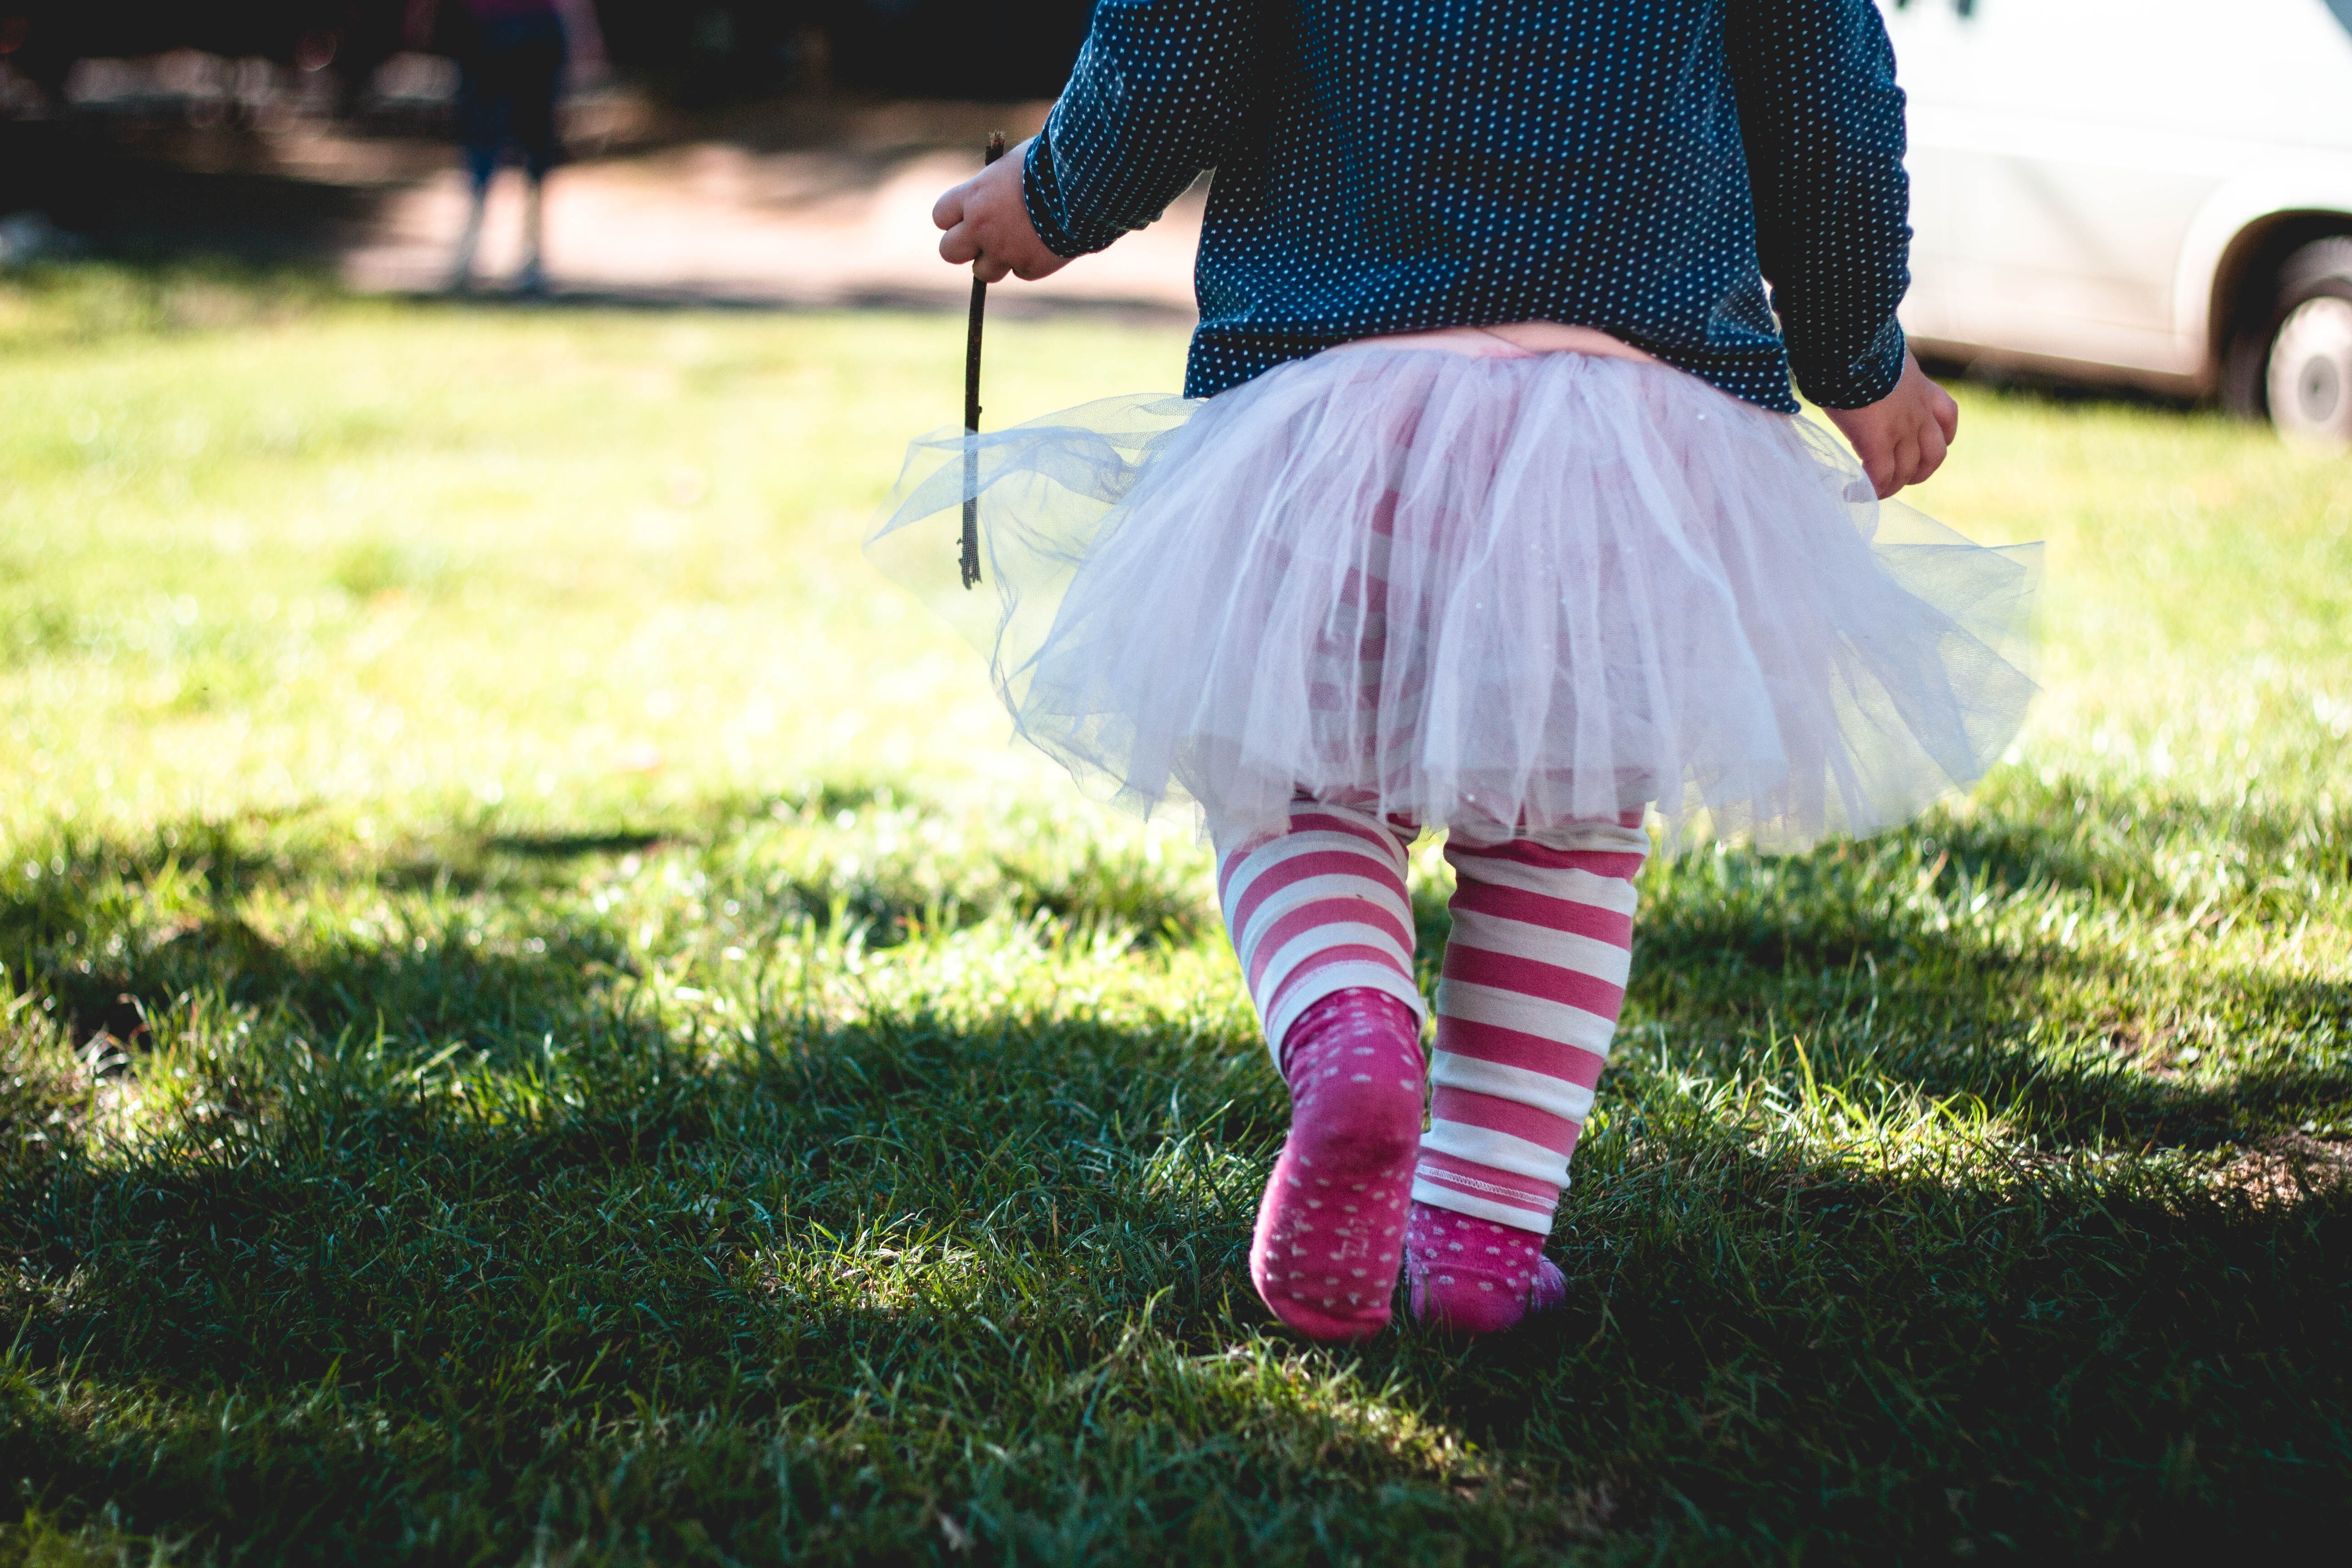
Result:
1487,508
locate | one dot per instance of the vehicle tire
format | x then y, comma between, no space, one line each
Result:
2308,381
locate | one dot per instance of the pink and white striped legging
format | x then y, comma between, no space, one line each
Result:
1528,998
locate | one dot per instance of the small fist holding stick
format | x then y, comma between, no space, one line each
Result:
987,223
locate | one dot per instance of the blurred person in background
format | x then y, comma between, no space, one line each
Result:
514,58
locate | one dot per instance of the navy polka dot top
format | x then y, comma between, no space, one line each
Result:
1640,166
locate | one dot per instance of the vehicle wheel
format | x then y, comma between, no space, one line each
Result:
2308,382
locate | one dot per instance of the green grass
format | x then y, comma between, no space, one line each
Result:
543,1022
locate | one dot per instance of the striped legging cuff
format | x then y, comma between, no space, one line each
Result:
1318,908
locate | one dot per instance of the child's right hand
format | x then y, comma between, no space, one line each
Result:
987,223
1901,437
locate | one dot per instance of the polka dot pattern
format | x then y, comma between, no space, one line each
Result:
1640,166
1331,1230
1475,1277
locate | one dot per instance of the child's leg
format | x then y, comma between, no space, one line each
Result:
531,278
481,163
1533,981
1324,928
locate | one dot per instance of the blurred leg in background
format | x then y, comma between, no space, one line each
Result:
510,78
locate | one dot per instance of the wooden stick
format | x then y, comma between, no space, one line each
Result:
970,558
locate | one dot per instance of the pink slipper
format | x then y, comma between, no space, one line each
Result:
1330,1229
1474,1277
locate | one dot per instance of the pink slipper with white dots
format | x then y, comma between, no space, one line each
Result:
1331,1230
1474,1277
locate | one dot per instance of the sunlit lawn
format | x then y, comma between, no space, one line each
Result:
544,1022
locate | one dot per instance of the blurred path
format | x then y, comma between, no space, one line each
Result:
815,204
718,222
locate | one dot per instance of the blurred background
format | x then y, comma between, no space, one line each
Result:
750,153
2178,222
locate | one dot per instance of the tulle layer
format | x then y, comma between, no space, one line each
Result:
1483,593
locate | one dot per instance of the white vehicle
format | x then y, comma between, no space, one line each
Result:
2157,192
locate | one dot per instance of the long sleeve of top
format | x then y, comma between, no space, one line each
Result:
1640,166
1823,122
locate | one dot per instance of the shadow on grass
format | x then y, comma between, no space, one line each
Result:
534,1241
2018,378
218,194
943,1265
567,845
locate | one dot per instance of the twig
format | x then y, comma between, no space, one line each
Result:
970,559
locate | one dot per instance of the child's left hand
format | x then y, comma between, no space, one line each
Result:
1901,437
988,225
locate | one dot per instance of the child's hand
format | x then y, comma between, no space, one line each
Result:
1901,438
988,225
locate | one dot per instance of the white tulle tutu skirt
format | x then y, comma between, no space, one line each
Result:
1483,593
